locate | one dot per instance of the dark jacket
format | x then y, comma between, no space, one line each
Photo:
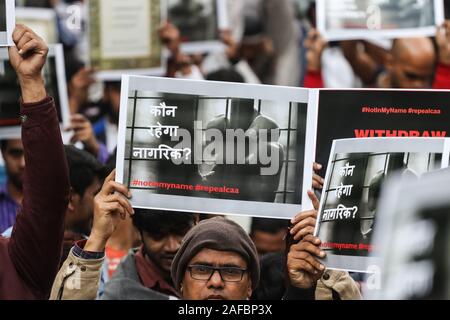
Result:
29,260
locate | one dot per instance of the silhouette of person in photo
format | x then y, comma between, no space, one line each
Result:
253,186
396,163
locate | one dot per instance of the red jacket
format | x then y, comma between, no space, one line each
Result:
313,80
29,260
441,79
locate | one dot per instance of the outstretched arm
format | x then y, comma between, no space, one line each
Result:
35,245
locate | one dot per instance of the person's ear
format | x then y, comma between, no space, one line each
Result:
74,200
249,289
197,218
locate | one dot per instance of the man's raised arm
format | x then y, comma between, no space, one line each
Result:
35,245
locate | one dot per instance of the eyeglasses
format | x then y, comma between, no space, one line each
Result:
227,274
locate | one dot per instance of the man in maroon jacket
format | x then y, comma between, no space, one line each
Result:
29,260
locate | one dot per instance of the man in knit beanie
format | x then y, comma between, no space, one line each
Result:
217,261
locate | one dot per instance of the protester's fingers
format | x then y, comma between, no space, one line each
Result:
81,135
26,37
111,177
163,25
320,39
304,215
184,60
306,266
168,33
302,265
317,166
318,182
303,233
114,208
316,38
27,41
308,43
78,118
305,223
311,245
30,46
164,34
74,126
312,33
80,127
112,186
84,74
84,81
315,201
122,200
311,38
303,255
310,248
318,178
446,25
18,32
314,240
308,222
226,37
88,71
88,81
443,34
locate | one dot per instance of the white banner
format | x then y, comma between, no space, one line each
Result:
365,19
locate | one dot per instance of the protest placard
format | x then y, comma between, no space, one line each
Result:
10,92
363,19
7,22
356,172
368,113
213,147
123,37
41,21
413,231
200,23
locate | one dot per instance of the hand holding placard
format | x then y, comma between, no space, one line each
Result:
303,267
110,206
315,44
305,222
